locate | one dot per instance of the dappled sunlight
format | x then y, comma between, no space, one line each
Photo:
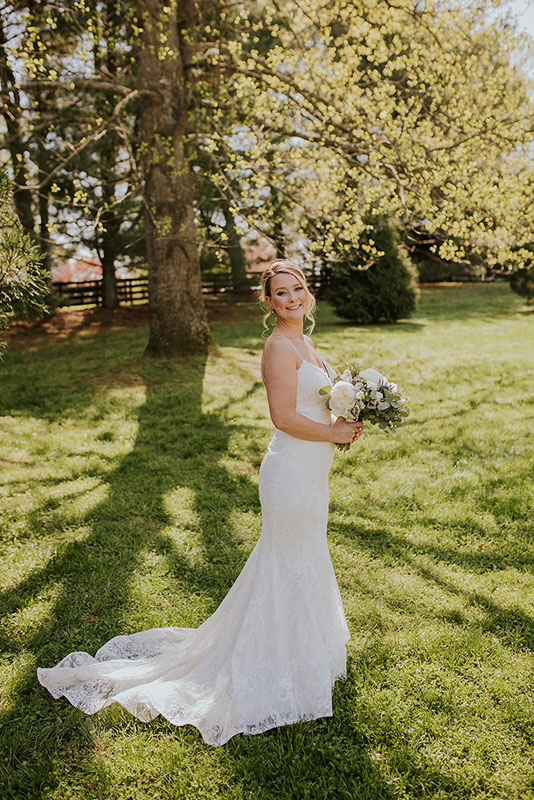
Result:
238,372
132,502
38,611
65,505
179,505
25,555
157,599
246,525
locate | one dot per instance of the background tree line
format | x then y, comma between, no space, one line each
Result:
159,131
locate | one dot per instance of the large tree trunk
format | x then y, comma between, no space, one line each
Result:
177,315
110,298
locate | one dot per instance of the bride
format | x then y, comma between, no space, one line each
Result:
271,652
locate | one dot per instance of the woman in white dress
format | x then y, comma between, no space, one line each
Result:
271,652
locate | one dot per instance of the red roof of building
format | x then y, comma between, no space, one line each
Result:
78,269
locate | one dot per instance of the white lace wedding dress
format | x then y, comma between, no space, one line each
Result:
270,653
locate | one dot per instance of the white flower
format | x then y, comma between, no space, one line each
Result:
342,398
372,377
347,376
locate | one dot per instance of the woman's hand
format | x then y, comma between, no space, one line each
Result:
346,432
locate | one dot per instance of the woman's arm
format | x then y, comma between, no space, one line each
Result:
280,374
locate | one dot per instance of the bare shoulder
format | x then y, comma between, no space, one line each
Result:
276,345
278,354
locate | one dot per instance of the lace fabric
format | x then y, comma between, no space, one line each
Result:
271,652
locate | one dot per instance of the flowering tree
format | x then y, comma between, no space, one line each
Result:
305,119
408,109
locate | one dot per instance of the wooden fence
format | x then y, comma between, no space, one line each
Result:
135,290
129,290
82,293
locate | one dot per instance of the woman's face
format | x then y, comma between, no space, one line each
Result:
289,299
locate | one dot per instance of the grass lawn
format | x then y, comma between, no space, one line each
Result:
129,500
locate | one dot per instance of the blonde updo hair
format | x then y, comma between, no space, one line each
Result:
283,265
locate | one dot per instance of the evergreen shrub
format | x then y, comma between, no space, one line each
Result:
385,290
522,283
23,281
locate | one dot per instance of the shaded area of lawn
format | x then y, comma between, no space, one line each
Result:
92,574
129,497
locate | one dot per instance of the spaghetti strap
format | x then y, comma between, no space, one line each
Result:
292,345
324,367
278,336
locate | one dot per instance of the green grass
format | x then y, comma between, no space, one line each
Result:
129,500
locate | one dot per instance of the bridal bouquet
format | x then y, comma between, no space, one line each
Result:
366,395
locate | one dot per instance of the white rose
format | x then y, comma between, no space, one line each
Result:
342,398
372,377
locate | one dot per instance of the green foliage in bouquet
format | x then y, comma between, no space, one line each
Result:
375,288
522,283
365,395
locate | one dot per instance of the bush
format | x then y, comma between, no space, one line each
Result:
522,283
23,281
383,291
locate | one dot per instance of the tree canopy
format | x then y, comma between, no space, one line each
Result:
410,109
176,124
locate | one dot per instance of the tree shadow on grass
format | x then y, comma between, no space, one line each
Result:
90,579
511,624
90,582
338,758
328,758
